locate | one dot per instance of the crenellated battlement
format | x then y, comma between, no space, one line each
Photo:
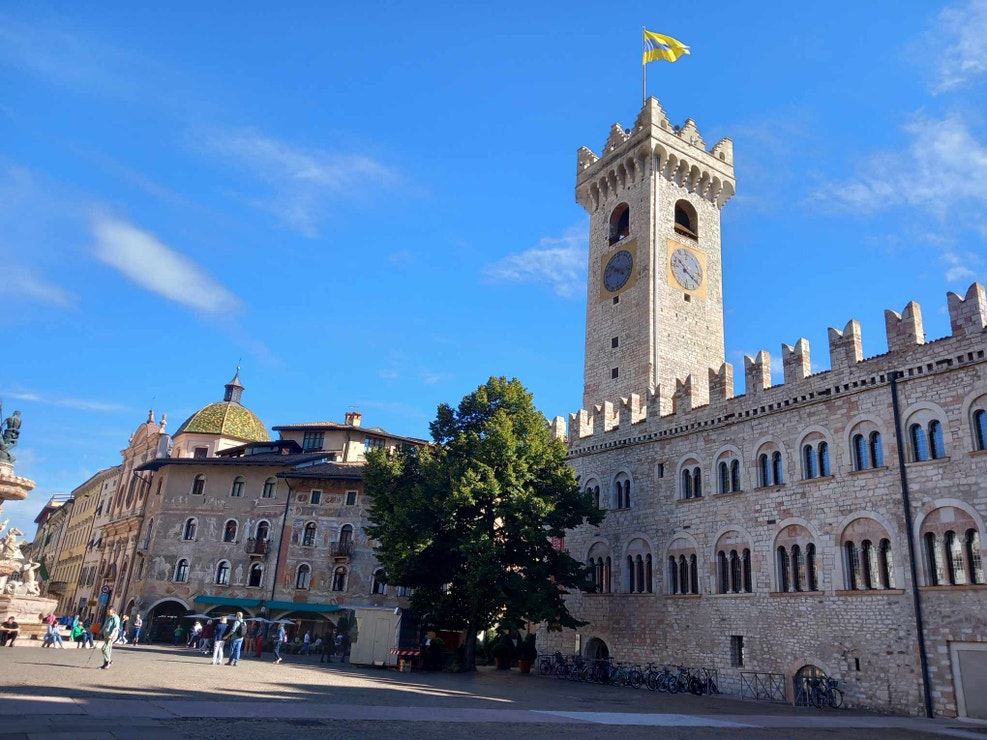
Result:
703,402
676,153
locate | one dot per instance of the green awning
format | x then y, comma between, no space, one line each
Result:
293,606
227,601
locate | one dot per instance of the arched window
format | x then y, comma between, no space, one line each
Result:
199,484
620,223
339,579
824,469
190,529
809,462
920,448
263,531
868,563
980,429
377,585
852,566
270,486
783,568
886,564
630,575
934,559
861,458
777,471
229,531
735,476
724,476
256,576
876,450
810,567
748,580
181,571
763,471
673,576
798,569
223,573
723,571
975,567
697,482
346,534
686,221
622,491
648,574
684,574
736,575
693,574
308,537
955,570
937,445
237,490
602,563
594,492
687,491
303,577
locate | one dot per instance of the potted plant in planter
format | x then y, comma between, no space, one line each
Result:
503,653
526,653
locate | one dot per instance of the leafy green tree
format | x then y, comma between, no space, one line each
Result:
467,522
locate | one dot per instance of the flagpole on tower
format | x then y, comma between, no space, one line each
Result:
644,67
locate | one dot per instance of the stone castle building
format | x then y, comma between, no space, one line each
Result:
831,523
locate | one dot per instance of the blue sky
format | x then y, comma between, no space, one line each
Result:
370,205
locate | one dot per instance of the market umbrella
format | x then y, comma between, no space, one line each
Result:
196,616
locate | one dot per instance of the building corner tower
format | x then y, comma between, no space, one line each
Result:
654,308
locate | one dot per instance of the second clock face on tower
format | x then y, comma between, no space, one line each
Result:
686,269
618,270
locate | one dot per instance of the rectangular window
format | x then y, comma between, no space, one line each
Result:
200,452
737,651
316,497
614,373
313,441
351,498
614,342
616,300
660,470
373,443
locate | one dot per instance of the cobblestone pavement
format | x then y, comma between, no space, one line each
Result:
163,692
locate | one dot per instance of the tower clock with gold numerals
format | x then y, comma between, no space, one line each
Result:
655,300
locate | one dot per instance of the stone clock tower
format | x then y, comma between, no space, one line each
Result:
654,309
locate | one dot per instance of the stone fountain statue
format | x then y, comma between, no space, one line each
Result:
19,588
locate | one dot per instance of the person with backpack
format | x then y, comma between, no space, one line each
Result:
110,632
237,632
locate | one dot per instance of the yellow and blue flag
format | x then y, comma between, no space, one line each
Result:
658,46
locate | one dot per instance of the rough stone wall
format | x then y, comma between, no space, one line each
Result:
836,627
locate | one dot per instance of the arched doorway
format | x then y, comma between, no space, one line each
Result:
596,648
161,620
805,679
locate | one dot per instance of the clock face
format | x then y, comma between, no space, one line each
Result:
618,270
686,269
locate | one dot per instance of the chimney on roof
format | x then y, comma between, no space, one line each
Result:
353,418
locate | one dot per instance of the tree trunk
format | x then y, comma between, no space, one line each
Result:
469,654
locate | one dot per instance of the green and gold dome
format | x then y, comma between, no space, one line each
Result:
227,418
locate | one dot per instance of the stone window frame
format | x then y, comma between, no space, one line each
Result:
303,577
226,531
310,533
255,568
797,558
270,488
728,470
190,530
340,577
621,486
689,478
682,558
593,489
950,535
639,565
733,561
377,585
223,575
619,224
198,485
816,452
257,526
866,553
925,432
239,483
181,572
599,558
690,225
769,457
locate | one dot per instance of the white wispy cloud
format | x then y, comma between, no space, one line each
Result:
304,182
559,262
963,58
144,259
80,404
22,282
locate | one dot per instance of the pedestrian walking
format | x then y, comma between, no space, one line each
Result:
138,625
279,640
219,632
237,632
110,632
87,635
208,637
306,643
195,635
122,632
